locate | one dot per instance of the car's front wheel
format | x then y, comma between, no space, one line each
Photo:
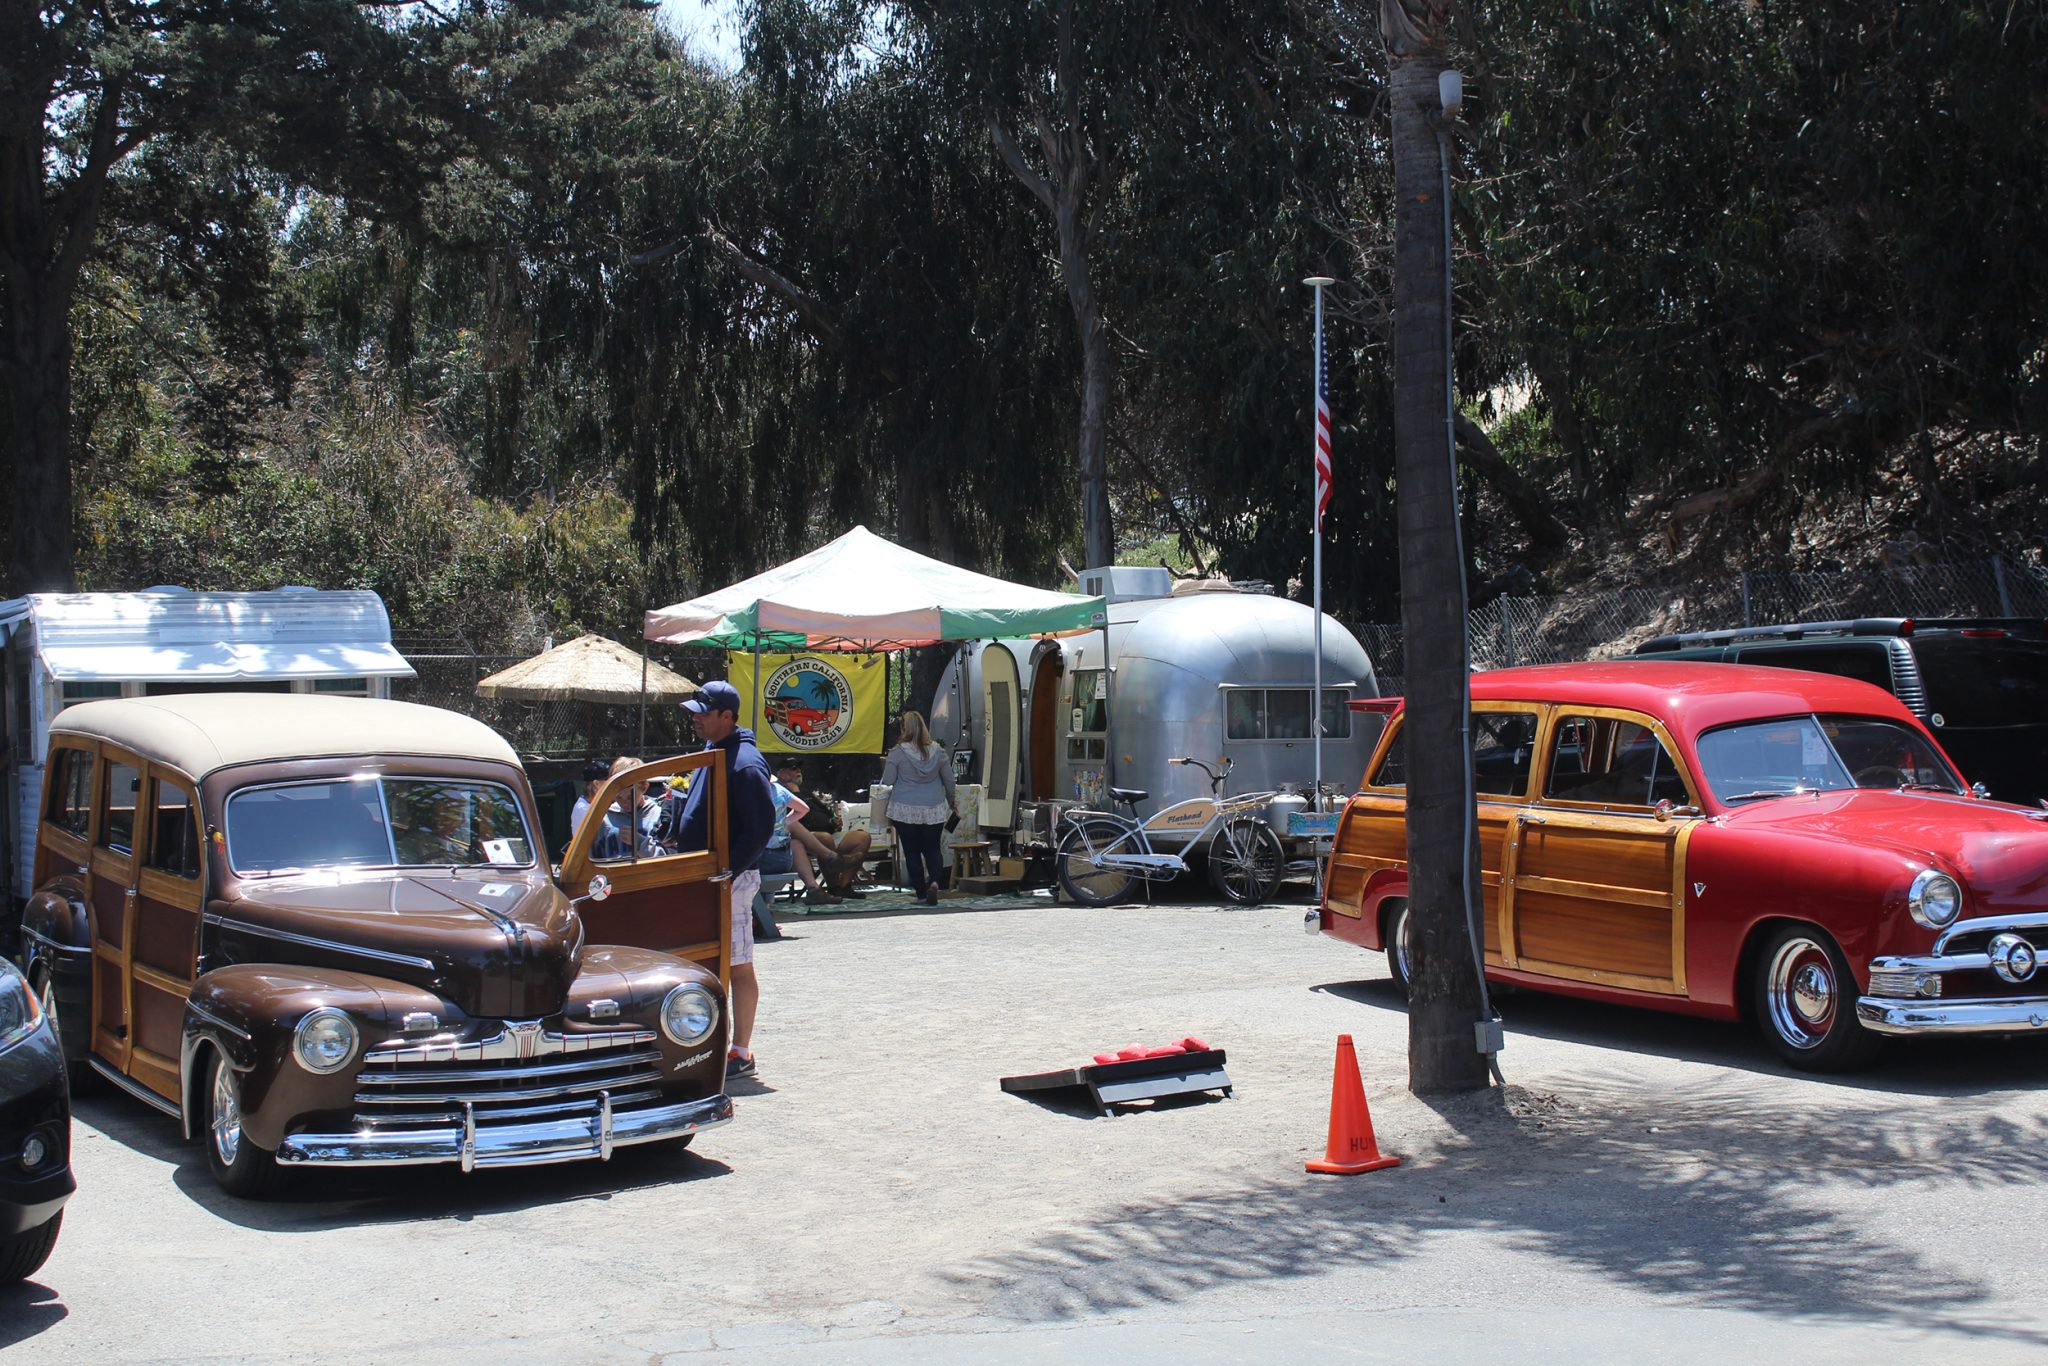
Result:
1805,1001
22,1253
238,1165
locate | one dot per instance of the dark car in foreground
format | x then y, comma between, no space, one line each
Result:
35,1130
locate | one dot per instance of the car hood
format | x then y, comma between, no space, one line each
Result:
1998,851
496,946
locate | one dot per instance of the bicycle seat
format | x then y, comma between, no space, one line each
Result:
1130,796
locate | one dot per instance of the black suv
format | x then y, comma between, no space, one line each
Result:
1980,683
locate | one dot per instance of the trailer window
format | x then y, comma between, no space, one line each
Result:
1282,714
73,693
1091,702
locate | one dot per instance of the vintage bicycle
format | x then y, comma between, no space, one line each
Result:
1102,853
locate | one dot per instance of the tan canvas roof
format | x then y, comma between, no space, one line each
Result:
200,732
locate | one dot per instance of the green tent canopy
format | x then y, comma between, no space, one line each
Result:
862,592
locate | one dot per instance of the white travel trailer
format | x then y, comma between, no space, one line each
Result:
61,648
1202,668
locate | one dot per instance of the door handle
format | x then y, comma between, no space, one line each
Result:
129,894
1534,820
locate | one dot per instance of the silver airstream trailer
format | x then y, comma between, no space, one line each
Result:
1203,668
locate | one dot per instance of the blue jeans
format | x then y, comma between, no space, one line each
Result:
920,853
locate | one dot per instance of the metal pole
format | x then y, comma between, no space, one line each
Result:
1315,505
640,746
1998,577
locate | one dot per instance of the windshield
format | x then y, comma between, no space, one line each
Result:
1819,754
375,822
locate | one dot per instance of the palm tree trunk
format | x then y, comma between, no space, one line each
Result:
1443,1002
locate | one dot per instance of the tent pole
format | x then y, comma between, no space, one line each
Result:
640,745
758,727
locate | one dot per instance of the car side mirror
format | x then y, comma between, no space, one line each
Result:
1666,809
600,888
1980,792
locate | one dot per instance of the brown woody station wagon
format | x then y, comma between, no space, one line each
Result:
323,931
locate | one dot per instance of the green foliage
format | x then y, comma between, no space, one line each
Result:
348,490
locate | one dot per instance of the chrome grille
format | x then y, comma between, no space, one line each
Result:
523,1072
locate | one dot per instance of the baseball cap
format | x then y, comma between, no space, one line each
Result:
717,695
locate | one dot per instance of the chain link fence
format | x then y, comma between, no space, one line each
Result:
1577,626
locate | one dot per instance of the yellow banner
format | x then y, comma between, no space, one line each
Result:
824,703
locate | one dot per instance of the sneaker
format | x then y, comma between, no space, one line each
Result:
738,1067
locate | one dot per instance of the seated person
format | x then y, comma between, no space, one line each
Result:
595,771
784,853
838,857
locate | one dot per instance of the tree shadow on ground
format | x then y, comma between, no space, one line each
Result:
1702,1198
309,1201
1920,1067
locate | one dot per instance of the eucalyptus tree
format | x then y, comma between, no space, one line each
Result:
387,107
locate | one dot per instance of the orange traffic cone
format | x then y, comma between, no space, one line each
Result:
1352,1147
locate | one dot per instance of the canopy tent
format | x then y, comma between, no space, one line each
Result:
587,669
862,592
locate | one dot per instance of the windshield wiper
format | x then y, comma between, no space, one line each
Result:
1766,792
1928,787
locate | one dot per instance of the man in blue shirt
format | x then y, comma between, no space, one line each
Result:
750,819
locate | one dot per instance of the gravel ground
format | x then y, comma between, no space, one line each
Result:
1647,1186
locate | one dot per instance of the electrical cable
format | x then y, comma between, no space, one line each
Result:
1468,849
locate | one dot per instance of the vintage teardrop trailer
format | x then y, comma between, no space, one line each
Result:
1204,668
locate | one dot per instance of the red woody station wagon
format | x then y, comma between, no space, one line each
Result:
1727,841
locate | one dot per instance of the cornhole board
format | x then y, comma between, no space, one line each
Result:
1114,1083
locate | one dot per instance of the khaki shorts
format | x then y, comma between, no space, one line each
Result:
744,887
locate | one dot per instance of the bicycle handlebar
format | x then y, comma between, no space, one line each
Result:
1216,779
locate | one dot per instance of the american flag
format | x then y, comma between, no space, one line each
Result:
1323,473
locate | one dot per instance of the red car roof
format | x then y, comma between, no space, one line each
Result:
1688,696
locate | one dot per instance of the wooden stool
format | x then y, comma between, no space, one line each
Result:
970,859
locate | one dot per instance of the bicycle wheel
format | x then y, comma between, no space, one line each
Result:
1085,880
1245,860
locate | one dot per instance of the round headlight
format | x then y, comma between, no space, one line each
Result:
325,1041
689,1014
1935,901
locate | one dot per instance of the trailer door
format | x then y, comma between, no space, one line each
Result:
1000,718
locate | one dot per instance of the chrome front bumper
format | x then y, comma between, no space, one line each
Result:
507,1145
2006,1015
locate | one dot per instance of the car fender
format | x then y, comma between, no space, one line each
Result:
249,1012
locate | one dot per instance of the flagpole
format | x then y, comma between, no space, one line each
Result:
1315,495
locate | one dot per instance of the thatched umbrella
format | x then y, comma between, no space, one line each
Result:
591,670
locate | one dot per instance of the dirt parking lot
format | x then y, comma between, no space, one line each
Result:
1647,1187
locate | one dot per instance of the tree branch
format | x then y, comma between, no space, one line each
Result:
1014,159
761,273
1546,533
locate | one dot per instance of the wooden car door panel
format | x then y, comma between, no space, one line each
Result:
677,903
164,945
1598,899
111,894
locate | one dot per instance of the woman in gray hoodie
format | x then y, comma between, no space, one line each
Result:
919,774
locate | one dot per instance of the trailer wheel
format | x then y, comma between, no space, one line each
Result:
1246,861
1084,880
